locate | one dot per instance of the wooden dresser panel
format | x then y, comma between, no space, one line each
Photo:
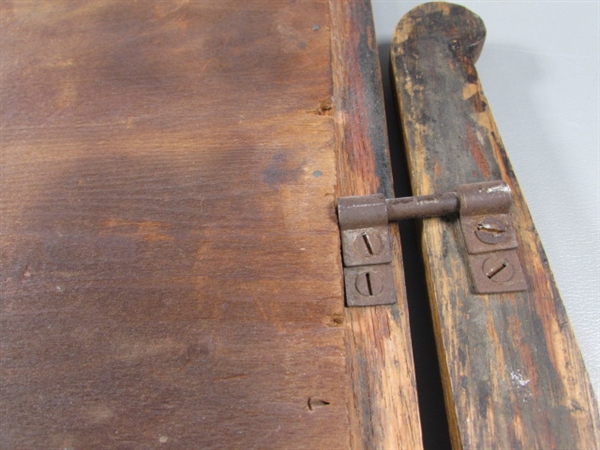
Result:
170,266
170,257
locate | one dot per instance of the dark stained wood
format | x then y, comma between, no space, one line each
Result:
514,377
385,411
170,266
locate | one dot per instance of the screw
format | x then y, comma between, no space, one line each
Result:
492,231
454,45
369,284
498,270
368,243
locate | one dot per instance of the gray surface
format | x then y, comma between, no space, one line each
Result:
539,70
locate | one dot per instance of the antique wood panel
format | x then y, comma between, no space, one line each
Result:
513,373
170,253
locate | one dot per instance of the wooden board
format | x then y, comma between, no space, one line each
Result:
385,410
513,373
170,269
170,255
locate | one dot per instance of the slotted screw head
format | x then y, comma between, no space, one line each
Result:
369,283
492,231
498,270
369,243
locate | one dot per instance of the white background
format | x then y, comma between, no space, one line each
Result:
539,70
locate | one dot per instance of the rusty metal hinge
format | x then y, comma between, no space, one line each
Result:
489,239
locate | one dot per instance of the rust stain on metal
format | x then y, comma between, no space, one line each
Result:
484,219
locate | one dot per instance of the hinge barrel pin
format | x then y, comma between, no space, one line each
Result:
483,214
421,207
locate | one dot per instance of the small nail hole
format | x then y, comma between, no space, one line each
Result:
316,403
335,321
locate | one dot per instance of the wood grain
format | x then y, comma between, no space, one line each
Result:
513,374
385,413
170,266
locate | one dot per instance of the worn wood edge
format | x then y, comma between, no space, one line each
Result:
530,240
561,334
384,409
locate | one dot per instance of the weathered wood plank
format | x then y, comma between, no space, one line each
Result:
170,253
385,411
513,373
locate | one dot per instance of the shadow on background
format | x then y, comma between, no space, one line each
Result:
434,421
